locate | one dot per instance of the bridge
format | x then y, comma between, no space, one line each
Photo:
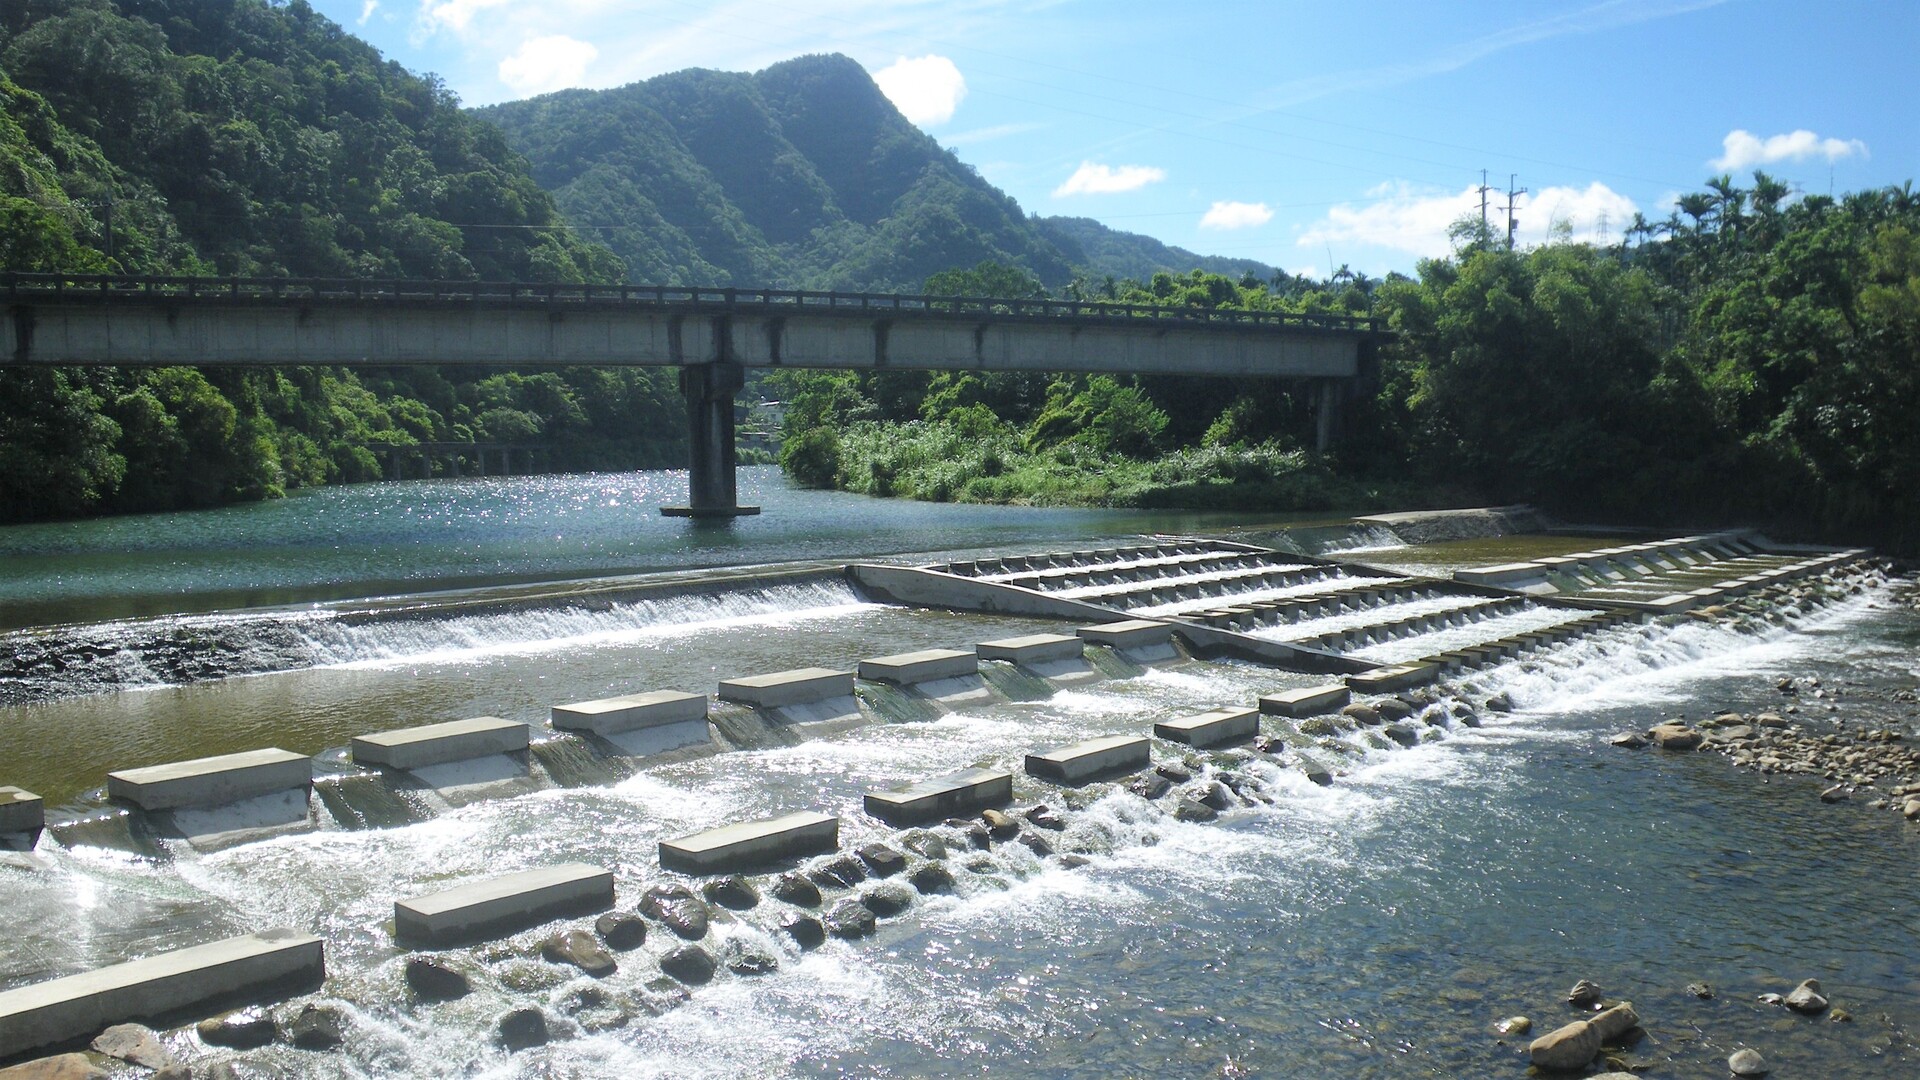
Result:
711,335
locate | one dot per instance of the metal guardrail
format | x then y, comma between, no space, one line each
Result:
85,288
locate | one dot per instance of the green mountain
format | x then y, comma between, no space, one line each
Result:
802,176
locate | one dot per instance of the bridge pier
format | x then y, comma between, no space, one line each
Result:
1326,414
709,390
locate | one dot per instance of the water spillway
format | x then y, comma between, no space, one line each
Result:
1124,855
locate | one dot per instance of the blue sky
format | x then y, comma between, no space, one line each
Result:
1305,135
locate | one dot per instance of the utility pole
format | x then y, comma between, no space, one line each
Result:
1483,202
1512,192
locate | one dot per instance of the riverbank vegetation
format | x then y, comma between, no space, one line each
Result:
1749,359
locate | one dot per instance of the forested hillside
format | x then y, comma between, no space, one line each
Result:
235,137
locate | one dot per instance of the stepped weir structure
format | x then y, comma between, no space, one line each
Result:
1326,632
711,335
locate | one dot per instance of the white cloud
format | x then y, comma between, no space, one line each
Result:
1402,218
543,64
926,89
988,134
1236,215
455,14
1092,179
366,11
1744,149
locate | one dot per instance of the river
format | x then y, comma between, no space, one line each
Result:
1377,927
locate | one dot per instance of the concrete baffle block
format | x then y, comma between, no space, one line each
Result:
1306,701
1389,679
21,811
1091,759
1216,727
269,964
952,795
1032,648
438,744
751,843
801,686
629,712
927,665
502,905
212,781
1132,633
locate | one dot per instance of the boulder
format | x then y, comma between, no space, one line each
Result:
744,957
1614,1023
932,877
1676,736
849,919
841,872
1402,734
1216,795
1192,809
1393,709
1701,990
1319,726
1747,1062
1043,817
621,930
133,1044
1150,785
926,845
1036,843
691,964
1584,992
806,931
241,1029
522,1029
175,1071
1514,1025
1834,794
1806,998
735,893
1173,772
59,1067
978,836
675,905
882,860
795,889
1362,714
999,825
432,979
580,949
1498,703
1565,1049
1629,740
1911,809
318,1027
887,899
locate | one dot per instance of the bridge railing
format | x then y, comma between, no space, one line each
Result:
18,287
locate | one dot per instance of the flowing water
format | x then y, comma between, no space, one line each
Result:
1375,927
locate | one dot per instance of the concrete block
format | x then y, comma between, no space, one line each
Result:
802,686
1032,649
947,796
211,781
1672,602
1095,757
501,905
751,843
629,712
1133,633
169,985
1388,680
1306,701
1216,727
437,744
21,811
927,665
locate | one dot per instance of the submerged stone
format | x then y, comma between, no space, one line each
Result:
797,890
432,979
735,893
690,964
522,1029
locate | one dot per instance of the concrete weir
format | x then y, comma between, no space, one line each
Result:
751,843
927,665
942,797
1306,701
212,781
801,686
1216,727
22,815
1091,759
438,744
171,984
647,723
502,904
1032,649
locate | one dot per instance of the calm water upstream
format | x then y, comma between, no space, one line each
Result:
1374,928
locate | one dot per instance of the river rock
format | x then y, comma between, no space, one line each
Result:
675,905
1319,726
1747,1062
1701,990
1402,734
621,930
432,979
175,1071
883,860
887,899
581,949
1565,1049
931,877
842,872
691,964
1514,1025
241,1029
978,836
1216,795
1498,703
1362,714
1806,998
1037,844
1584,992
1043,817
1834,794
1614,1023
795,889
318,1027
849,919
522,1029
58,1067
1911,809
1173,771
1150,785
745,957
806,931
1393,709
1192,809
1317,773
927,845
735,893
998,824
1629,740
1676,736
133,1044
